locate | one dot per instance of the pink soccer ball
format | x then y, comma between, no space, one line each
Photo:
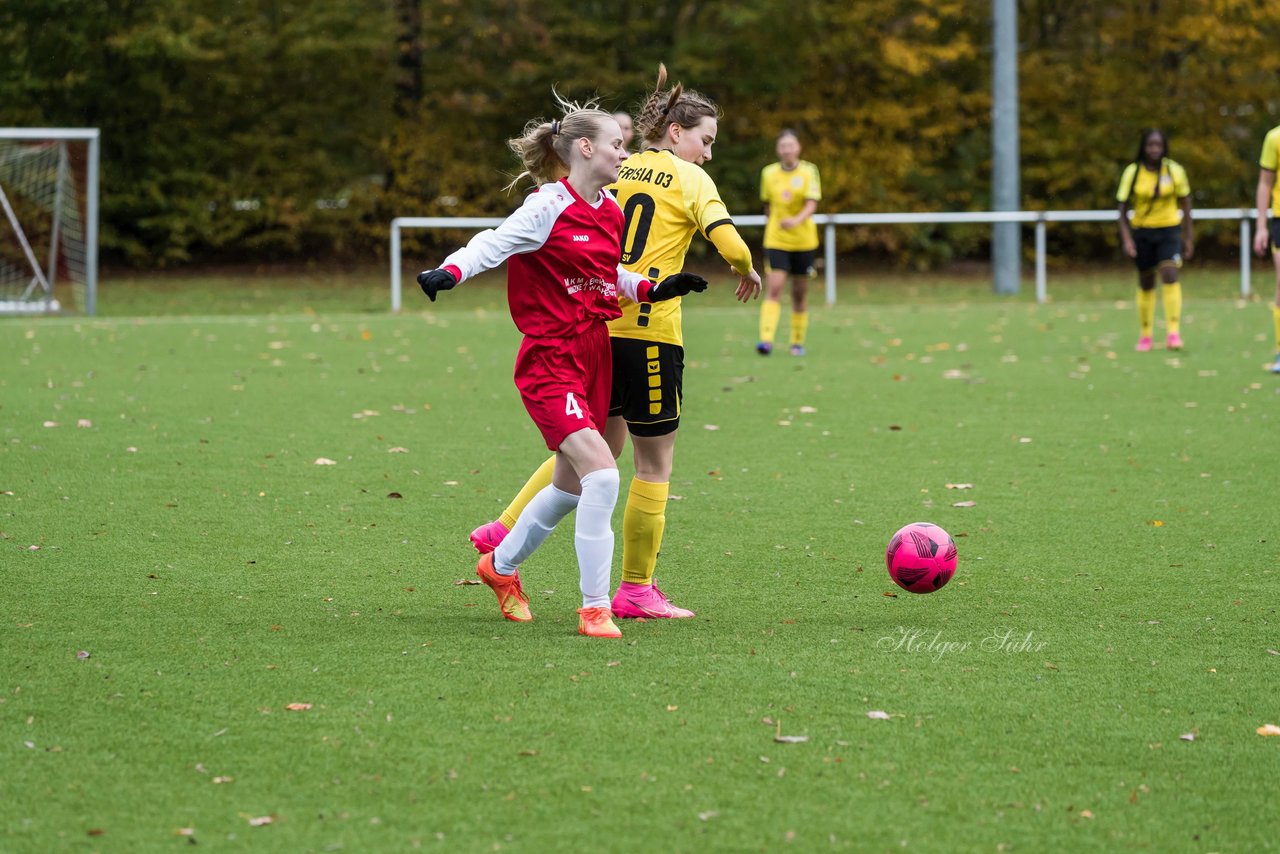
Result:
921,557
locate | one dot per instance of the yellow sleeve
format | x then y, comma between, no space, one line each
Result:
815,184
1181,185
1270,150
1126,183
764,184
731,247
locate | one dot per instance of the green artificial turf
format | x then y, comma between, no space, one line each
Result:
1091,680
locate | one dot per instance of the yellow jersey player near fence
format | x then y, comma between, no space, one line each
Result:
1161,235
666,198
1267,237
790,190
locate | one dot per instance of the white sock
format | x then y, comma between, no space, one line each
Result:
593,536
535,524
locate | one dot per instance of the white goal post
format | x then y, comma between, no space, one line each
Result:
1040,219
49,220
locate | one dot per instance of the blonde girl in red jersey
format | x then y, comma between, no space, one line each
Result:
563,247
667,198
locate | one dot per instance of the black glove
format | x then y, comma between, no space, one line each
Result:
677,285
434,281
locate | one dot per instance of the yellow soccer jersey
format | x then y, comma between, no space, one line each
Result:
665,200
1148,210
1270,159
785,193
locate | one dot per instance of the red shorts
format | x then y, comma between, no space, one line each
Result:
565,382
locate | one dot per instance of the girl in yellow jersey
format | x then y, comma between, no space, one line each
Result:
666,197
1154,188
1268,196
790,190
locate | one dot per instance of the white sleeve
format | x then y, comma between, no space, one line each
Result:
629,285
525,230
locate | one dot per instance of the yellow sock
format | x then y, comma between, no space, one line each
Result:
1275,316
643,521
1173,307
1146,311
799,326
537,482
770,311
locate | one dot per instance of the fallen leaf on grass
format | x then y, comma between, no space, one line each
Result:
708,815
613,664
791,739
95,831
1272,652
1086,814
259,821
1269,729
51,423
808,410
1156,523
82,654
711,427
185,831
877,715
298,707
527,753
220,780
959,486
672,708
965,504
84,423
462,581
394,495
325,461
1188,736
397,450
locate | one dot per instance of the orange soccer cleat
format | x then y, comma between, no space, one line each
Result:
597,623
511,599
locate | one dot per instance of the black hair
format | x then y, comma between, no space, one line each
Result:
1140,160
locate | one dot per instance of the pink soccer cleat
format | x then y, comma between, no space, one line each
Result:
1174,341
644,600
1144,344
487,536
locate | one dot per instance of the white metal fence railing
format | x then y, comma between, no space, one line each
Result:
1040,219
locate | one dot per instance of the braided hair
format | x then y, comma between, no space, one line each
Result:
682,106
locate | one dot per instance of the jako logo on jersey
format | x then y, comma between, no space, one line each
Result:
581,238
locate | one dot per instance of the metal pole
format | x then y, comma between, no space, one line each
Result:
91,228
829,249
395,265
1245,259
1042,287
52,273
1006,244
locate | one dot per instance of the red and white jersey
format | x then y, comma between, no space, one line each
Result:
563,273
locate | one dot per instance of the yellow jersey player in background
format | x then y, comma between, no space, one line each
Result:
1154,188
1268,237
666,198
790,190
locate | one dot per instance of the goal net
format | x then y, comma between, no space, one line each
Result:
48,218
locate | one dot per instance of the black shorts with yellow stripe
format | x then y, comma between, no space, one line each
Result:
648,385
